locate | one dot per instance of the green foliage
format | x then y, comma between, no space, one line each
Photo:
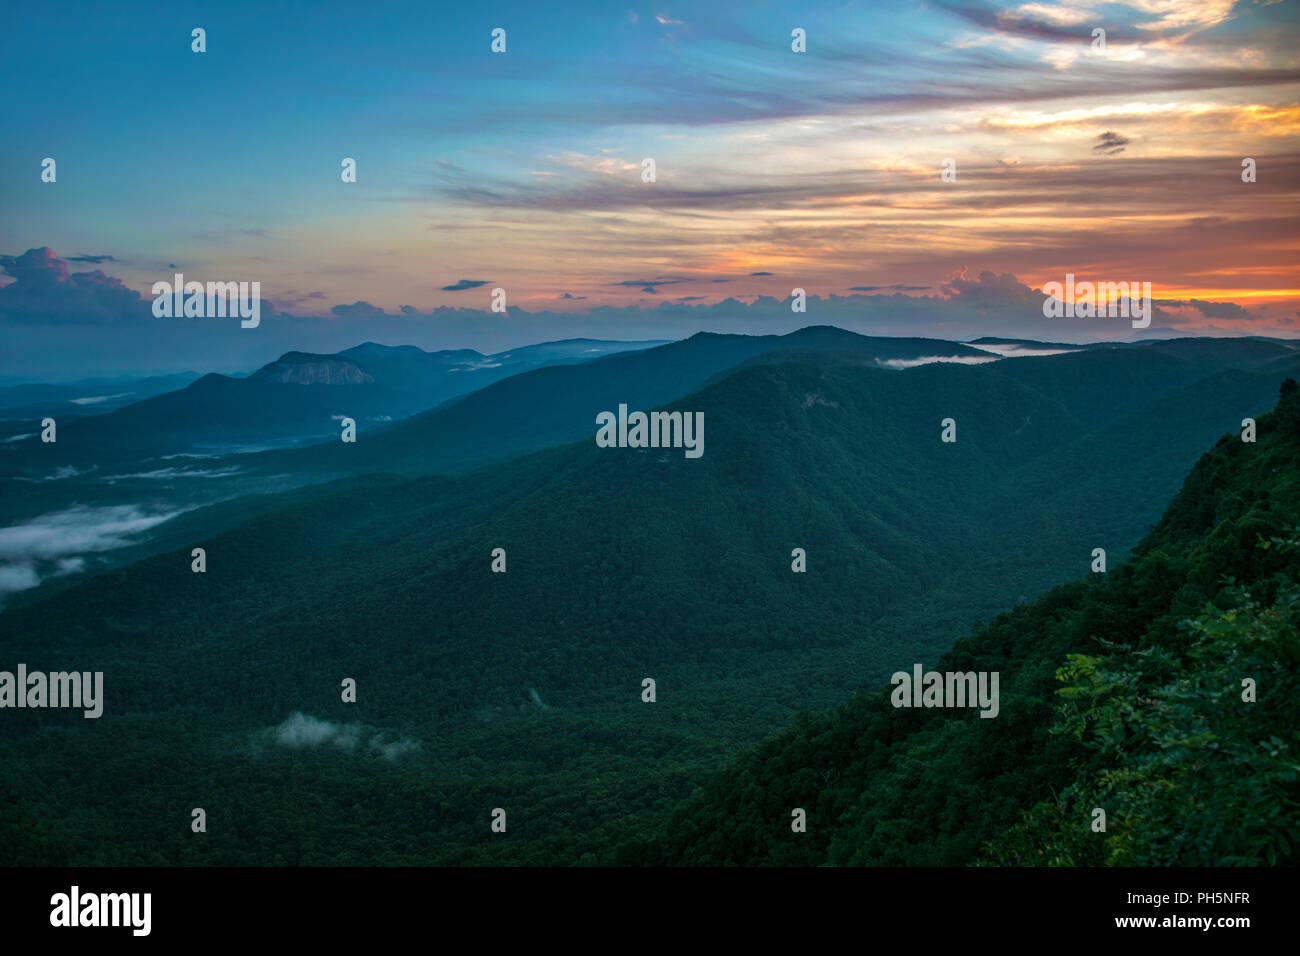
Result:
641,563
1149,724
1194,774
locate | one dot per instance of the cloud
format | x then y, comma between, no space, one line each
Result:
17,577
762,273
40,547
1015,350
662,280
464,284
1055,15
570,295
897,287
992,292
94,259
45,292
1222,310
974,301
1211,310
96,399
298,298
395,750
357,310
1184,15
62,324
301,731
166,474
59,473
933,359
1110,143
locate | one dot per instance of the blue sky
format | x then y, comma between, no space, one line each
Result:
522,170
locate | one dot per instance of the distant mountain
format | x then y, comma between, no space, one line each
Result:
550,406
523,689
297,368
297,397
1029,343
23,405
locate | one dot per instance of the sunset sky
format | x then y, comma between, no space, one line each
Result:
523,170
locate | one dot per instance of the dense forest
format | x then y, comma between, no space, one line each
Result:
1121,691
522,690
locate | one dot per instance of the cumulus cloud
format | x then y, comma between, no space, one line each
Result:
45,291
64,324
990,291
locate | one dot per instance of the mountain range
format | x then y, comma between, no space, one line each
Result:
522,690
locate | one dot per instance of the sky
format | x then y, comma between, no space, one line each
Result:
523,170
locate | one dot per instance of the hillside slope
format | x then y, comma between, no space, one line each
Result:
1120,691
521,690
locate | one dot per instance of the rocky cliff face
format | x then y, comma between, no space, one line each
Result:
313,370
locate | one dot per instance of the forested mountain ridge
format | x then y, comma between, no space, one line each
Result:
553,405
1122,692
521,690
299,394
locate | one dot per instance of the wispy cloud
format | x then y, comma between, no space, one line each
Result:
301,731
42,546
1110,143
